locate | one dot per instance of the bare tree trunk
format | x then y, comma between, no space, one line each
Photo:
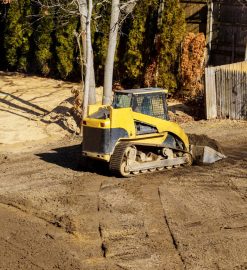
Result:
157,38
83,9
210,21
88,58
92,93
78,39
92,90
83,17
245,59
109,64
160,12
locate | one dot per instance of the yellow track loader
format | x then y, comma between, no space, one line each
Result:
134,135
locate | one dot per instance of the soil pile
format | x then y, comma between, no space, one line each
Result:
180,117
68,114
204,140
63,116
179,112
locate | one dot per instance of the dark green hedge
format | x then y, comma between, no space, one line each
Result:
42,41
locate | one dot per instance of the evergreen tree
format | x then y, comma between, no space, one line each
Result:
153,43
139,45
133,60
65,47
17,34
26,34
3,14
149,41
100,33
171,31
43,41
13,35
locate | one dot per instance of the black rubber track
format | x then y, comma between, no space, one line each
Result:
117,158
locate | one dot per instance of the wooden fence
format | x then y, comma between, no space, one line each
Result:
226,91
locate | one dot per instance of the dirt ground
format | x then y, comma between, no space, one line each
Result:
55,216
24,101
34,110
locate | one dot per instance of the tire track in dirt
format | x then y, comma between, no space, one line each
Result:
207,218
83,196
62,198
134,235
30,243
174,240
99,222
159,231
125,237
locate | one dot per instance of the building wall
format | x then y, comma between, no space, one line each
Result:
229,32
196,15
227,35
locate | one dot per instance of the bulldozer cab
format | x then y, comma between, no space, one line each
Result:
149,101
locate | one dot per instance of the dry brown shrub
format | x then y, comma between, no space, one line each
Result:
150,74
192,64
77,104
117,86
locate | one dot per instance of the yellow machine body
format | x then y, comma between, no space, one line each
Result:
101,136
134,135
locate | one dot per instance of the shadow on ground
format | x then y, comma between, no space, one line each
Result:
70,157
57,115
23,103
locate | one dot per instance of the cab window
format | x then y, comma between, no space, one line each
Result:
121,100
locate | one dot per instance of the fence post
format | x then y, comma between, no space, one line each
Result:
210,93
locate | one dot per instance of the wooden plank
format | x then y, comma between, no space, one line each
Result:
218,94
220,89
206,93
211,112
236,78
230,85
239,94
223,96
226,91
241,66
227,97
244,97
243,78
241,116
234,90
230,100
232,103
213,95
230,89
220,82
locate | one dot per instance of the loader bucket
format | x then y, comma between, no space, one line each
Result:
205,154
